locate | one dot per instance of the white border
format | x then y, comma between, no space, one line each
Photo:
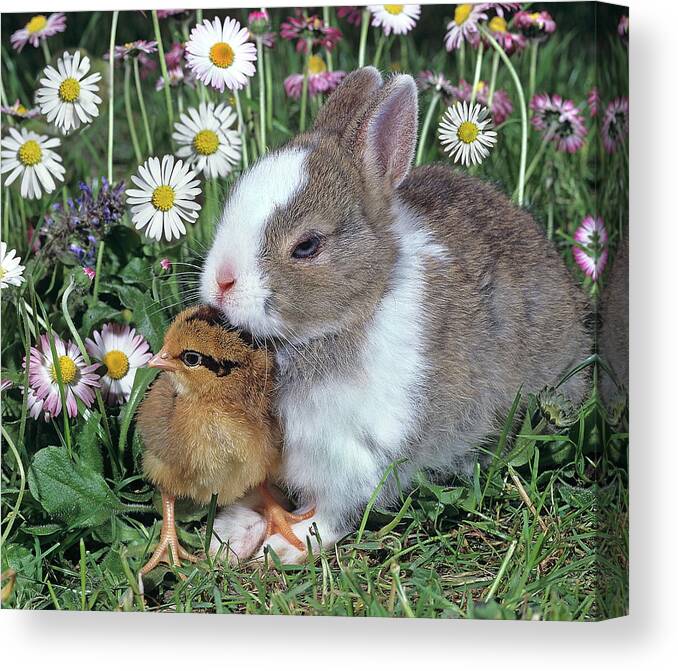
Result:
644,640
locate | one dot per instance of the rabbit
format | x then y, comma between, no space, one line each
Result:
406,308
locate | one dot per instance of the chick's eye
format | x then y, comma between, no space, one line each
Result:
307,248
191,359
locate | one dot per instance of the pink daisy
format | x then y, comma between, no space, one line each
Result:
78,378
20,111
165,264
508,41
623,28
501,8
89,272
427,79
39,28
502,107
351,13
121,351
534,25
133,49
167,13
319,80
615,124
464,26
258,21
559,119
303,28
590,250
593,101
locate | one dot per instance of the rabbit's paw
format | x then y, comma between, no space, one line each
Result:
238,533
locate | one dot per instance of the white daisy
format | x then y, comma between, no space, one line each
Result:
206,140
122,351
165,197
221,55
65,97
465,133
28,154
396,19
11,272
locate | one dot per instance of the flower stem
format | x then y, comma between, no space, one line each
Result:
111,83
100,256
262,95
523,111
45,51
493,78
427,123
163,69
548,136
269,92
128,112
85,356
241,128
379,51
142,106
476,74
462,59
328,52
364,27
304,89
533,67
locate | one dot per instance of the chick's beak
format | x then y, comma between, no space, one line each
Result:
163,360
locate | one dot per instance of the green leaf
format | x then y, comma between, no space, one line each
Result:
147,314
69,491
137,271
96,314
87,441
42,529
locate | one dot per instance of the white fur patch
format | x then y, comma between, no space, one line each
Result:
270,183
341,434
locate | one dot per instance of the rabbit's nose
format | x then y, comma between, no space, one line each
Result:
225,280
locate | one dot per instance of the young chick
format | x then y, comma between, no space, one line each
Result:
207,426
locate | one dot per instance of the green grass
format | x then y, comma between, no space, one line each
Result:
540,532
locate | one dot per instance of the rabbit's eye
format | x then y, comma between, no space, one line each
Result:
307,248
191,359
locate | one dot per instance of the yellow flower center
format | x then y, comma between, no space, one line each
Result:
467,132
69,90
206,142
163,198
498,24
21,110
394,9
36,24
30,153
69,370
3,272
461,13
316,65
222,55
535,15
480,86
117,364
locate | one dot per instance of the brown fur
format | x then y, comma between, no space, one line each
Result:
203,433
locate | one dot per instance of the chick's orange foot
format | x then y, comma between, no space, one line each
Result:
169,549
279,520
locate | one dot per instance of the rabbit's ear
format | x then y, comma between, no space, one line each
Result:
352,94
384,139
